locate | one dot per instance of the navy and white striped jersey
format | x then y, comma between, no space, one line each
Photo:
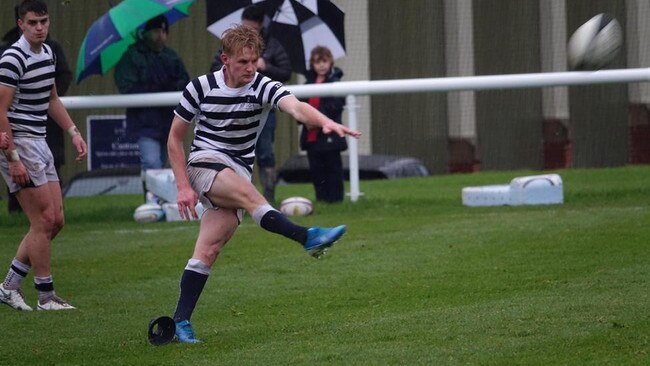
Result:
32,75
228,120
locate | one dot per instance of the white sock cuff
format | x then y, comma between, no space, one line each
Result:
261,211
20,265
196,265
46,279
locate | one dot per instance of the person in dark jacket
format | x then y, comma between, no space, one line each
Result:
274,63
324,150
149,66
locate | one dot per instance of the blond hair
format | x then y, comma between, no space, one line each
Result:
235,39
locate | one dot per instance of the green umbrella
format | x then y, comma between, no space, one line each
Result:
110,36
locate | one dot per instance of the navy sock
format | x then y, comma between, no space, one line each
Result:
45,287
275,222
192,284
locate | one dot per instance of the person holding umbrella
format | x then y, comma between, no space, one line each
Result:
149,66
229,108
274,63
27,72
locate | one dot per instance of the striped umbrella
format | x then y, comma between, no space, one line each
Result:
111,34
299,25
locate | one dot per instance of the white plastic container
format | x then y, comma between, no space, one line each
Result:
537,190
530,190
162,183
495,195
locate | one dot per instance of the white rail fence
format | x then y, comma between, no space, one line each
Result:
351,89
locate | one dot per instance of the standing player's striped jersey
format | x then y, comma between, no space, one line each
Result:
32,75
228,120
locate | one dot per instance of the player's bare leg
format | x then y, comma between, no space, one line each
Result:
232,190
217,227
44,208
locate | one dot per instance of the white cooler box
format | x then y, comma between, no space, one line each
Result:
531,190
162,183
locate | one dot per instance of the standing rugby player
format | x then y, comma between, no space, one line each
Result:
27,95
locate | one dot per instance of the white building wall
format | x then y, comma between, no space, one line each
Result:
459,52
637,36
553,31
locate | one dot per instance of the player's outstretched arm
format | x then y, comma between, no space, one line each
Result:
310,116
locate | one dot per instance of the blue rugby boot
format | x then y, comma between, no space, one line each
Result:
319,239
185,333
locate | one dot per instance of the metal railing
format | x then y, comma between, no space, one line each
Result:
350,89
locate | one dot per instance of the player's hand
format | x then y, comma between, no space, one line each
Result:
80,145
4,141
340,130
186,200
18,173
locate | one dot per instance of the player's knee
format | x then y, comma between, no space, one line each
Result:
57,226
251,198
46,222
211,251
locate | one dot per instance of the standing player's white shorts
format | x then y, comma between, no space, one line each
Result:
37,159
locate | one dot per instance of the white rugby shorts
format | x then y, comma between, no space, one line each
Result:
201,178
37,159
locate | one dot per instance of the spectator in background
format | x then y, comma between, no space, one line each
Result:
274,63
324,150
149,66
11,36
62,79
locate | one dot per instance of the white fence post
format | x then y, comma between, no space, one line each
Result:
353,147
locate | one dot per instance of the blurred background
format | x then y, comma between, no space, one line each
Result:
554,128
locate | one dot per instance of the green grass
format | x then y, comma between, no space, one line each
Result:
418,279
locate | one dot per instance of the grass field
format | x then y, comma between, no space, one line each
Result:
418,279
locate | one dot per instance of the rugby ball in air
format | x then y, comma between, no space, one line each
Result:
595,44
148,212
296,206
